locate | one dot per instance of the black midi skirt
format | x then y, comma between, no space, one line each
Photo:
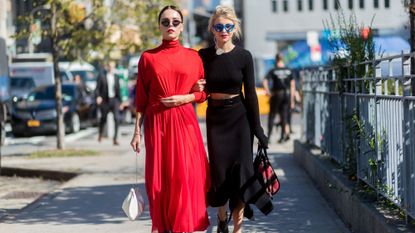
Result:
230,141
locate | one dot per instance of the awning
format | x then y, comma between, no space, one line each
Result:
297,55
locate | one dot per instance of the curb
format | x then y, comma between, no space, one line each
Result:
358,215
60,176
45,174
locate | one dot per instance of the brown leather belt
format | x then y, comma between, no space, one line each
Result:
224,102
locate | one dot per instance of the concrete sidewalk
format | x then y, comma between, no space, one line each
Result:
92,201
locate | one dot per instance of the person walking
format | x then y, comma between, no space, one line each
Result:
108,99
281,97
232,119
176,169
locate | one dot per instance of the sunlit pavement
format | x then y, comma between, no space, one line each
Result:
91,202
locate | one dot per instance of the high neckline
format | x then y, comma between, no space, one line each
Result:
170,43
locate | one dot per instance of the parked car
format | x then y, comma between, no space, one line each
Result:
37,114
20,87
40,72
4,90
86,72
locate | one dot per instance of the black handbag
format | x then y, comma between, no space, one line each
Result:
265,173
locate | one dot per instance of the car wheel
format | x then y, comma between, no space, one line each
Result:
75,123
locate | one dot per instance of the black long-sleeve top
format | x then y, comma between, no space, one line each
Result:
227,73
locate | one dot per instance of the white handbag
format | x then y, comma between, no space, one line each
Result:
133,204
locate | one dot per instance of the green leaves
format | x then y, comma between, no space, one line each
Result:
352,45
84,29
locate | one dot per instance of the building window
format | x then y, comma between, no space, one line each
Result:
350,4
376,4
285,5
325,4
362,4
336,4
310,5
387,4
274,5
300,5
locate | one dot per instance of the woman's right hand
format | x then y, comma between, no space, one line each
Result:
135,143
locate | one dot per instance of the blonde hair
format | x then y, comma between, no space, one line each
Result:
228,13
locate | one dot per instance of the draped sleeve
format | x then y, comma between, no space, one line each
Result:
251,99
142,86
202,95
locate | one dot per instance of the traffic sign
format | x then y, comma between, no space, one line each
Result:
36,32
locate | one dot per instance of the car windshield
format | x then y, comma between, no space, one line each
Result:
22,82
86,75
48,93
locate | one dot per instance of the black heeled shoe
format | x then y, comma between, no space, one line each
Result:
284,139
222,226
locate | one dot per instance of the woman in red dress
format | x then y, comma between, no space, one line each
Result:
176,170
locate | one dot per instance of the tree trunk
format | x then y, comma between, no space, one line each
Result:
60,134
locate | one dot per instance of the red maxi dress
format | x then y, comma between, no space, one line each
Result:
176,171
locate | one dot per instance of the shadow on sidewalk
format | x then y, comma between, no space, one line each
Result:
83,205
298,207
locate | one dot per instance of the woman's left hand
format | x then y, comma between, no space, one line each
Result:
199,85
175,100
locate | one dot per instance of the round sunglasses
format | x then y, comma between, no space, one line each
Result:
219,27
174,22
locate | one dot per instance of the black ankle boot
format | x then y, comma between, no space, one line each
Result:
222,226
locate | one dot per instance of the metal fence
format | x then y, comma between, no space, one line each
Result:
366,122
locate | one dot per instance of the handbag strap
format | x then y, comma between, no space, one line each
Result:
264,152
136,169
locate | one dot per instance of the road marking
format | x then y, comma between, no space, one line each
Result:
80,134
39,139
18,141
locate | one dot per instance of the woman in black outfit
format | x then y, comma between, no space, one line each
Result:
232,119
281,97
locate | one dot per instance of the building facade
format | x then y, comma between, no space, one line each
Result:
7,28
270,24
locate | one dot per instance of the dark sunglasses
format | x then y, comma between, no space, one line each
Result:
174,22
228,27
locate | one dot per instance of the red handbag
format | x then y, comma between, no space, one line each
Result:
266,174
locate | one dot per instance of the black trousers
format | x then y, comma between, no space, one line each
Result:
113,105
279,104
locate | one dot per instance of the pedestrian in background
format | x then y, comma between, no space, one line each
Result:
232,119
281,95
108,99
176,170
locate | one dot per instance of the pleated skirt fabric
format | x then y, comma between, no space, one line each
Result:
176,172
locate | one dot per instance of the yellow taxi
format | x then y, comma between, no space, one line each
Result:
263,101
